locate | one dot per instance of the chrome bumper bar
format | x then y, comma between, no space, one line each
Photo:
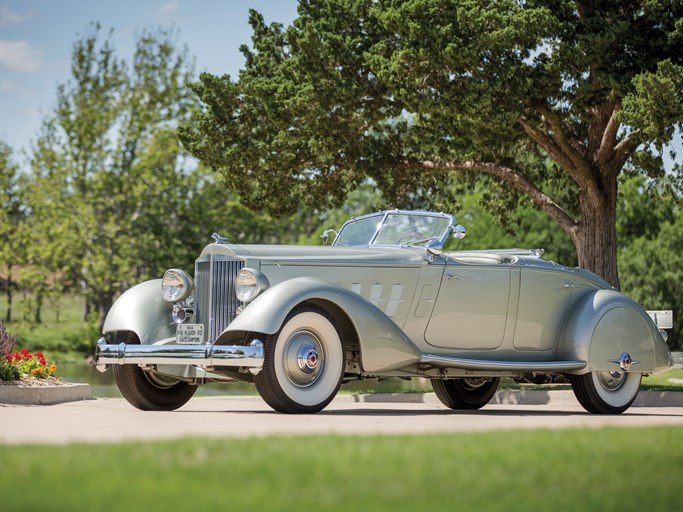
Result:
250,356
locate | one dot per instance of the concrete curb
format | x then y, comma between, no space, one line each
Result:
44,395
521,397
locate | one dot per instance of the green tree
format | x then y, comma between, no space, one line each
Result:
650,227
548,99
12,223
643,208
651,269
110,185
528,229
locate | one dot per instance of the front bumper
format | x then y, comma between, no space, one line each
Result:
248,356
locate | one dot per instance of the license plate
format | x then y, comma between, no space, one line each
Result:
189,334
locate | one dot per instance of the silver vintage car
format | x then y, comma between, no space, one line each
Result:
384,300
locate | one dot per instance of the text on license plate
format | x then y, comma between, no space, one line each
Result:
189,334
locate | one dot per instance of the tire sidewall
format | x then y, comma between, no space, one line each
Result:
620,398
325,387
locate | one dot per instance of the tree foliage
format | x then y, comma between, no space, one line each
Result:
12,223
549,99
110,192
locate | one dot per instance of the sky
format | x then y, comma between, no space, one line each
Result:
37,37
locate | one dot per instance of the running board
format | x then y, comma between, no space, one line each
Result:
482,365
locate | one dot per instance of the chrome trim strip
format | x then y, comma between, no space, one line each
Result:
476,364
250,356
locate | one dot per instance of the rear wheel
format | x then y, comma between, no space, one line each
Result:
466,393
146,390
303,364
606,392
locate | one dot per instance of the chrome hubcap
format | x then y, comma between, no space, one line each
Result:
473,382
611,381
308,359
304,358
160,381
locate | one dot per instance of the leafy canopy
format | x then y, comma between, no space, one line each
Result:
382,89
550,99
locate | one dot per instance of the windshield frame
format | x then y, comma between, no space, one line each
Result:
382,219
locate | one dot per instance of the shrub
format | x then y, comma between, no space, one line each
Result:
7,341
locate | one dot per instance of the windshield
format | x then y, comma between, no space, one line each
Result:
395,228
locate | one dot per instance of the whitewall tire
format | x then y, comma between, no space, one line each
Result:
304,363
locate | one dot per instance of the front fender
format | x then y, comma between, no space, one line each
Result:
384,346
144,311
605,324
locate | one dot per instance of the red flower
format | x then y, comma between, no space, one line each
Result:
26,354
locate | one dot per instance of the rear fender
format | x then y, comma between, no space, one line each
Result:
384,346
605,324
144,311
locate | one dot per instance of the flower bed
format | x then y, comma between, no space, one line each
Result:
28,379
21,368
18,365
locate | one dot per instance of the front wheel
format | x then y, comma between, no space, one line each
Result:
146,390
303,363
606,392
465,393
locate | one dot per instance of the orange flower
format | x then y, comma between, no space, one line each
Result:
53,368
36,370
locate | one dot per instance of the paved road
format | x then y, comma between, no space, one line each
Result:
113,420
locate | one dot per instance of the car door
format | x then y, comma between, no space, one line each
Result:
545,297
472,305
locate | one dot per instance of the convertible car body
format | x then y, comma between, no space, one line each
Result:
384,300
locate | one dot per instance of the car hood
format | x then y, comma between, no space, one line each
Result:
322,255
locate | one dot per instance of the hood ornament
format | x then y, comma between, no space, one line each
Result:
219,239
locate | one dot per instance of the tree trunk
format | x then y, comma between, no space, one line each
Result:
37,311
595,237
103,304
8,315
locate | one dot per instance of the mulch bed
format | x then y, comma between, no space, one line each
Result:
27,380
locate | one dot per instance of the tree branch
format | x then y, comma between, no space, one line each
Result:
609,138
548,144
622,151
560,136
513,178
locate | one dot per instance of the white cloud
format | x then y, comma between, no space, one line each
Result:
20,56
169,8
7,85
9,17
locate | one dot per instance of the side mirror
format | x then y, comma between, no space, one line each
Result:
459,232
326,235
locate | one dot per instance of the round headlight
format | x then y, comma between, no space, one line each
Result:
249,283
176,285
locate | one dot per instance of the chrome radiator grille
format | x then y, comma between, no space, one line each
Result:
215,301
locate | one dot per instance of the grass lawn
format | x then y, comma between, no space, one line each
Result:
603,469
671,380
61,334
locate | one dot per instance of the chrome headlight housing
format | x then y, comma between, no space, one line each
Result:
249,283
176,285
